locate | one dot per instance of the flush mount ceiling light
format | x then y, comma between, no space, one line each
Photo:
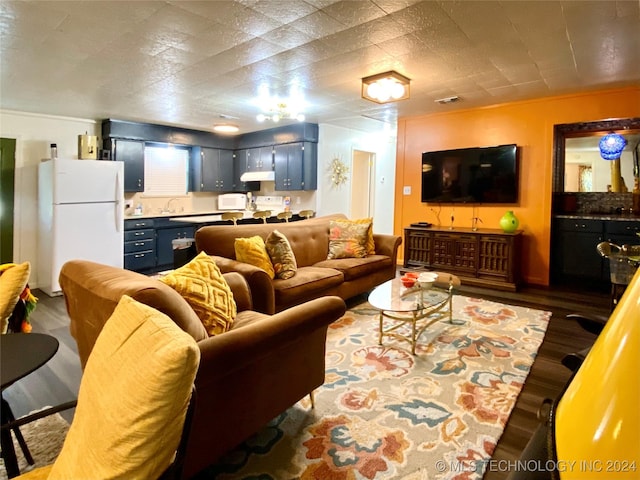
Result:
279,111
385,87
611,146
225,128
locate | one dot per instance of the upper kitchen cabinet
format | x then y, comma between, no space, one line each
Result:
240,167
131,152
296,166
211,170
259,159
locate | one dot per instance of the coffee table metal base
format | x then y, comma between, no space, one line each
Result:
419,320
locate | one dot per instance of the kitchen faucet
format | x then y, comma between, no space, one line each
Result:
168,205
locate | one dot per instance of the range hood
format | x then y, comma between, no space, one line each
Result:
258,176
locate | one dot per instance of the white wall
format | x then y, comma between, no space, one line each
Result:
340,142
34,133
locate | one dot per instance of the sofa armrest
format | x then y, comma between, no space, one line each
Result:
387,245
240,289
245,347
263,297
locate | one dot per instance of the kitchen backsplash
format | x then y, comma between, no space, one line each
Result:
593,202
205,202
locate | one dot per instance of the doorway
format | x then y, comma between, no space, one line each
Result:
7,182
362,194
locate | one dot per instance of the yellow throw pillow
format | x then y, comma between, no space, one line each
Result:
133,398
347,240
202,285
252,250
281,255
13,280
370,246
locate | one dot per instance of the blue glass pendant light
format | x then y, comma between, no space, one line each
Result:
611,146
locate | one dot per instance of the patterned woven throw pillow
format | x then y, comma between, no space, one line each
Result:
347,239
370,246
202,285
253,251
281,254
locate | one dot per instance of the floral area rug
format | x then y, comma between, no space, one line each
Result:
44,438
383,413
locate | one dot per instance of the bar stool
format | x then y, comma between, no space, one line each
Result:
284,216
233,216
307,213
263,214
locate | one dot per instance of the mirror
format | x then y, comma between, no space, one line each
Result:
578,166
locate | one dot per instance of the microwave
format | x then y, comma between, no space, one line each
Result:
232,201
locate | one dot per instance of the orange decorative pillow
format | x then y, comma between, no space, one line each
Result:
253,251
202,285
347,239
282,257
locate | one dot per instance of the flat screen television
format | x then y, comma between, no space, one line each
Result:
471,175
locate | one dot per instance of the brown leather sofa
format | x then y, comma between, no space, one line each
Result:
247,376
316,276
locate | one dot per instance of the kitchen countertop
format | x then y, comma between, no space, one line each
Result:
599,216
200,217
171,215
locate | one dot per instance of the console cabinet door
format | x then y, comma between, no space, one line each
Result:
452,250
496,257
418,248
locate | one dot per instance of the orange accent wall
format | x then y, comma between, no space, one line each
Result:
529,124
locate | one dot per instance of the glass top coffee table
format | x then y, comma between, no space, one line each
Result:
417,306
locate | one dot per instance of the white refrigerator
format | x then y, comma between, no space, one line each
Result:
80,213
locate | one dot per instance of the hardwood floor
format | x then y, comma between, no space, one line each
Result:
58,380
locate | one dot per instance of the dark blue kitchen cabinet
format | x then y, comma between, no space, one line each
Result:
296,166
131,152
164,245
211,170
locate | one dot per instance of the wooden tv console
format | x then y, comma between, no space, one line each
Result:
485,257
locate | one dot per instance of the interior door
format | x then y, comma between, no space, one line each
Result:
361,184
7,179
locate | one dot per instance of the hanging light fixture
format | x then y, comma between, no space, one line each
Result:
611,146
386,87
278,111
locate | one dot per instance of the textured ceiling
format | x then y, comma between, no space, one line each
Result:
189,63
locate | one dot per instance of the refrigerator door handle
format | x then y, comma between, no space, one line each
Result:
118,204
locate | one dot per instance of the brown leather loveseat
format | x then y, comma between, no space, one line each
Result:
316,276
247,375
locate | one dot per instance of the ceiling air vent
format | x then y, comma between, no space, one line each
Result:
444,101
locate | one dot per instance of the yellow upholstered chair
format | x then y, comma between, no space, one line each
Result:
307,213
133,401
233,216
606,387
263,214
592,431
